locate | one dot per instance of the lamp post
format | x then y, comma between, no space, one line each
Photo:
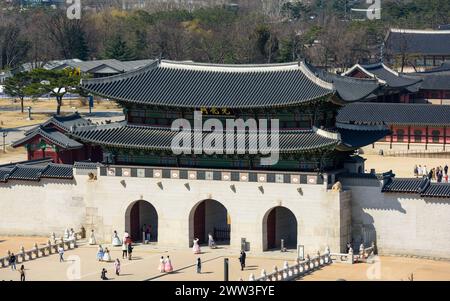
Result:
29,113
4,134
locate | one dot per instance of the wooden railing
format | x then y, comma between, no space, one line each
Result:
40,251
299,269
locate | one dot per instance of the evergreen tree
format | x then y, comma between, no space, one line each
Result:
118,49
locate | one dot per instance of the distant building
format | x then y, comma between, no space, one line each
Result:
410,50
49,140
435,85
396,87
419,127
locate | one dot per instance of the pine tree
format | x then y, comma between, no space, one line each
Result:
119,50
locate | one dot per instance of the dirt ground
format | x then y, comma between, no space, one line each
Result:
13,155
402,167
13,243
11,116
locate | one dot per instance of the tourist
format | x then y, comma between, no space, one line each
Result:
416,171
211,242
130,251
168,268
103,274
125,237
430,175
117,266
72,234
106,256
161,267
124,250
199,266
242,259
144,234
446,169
425,171
22,273
148,230
61,253
92,240
12,261
100,253
196,247
446,178
420,171
116,240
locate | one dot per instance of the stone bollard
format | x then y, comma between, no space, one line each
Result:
36,250
252,277
285,274
264,274
22,253
49,246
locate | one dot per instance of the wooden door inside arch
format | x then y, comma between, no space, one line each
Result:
135,223
199,222
271,229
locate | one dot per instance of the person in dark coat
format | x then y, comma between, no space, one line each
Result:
242,259
199,266
103,275
12,261
130,251
446,169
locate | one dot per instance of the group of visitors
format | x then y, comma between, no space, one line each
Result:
12,263
103,254
437,174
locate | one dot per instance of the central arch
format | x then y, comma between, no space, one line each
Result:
138,215
209,216
279,223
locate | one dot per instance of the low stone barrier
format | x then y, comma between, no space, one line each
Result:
50,248
299,269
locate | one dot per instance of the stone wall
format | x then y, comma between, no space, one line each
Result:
401,224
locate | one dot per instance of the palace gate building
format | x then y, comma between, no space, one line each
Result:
229,194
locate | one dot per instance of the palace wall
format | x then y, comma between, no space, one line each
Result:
404,224
40,208
401,224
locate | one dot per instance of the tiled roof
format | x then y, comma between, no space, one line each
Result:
428,42
52,136
25,172
348,88
155,138
394,113
86,165
421,186
65,123
385,75
356,136
194,85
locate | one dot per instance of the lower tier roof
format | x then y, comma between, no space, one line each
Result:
122,135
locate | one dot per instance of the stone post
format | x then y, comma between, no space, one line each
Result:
36,250
264,274
22,253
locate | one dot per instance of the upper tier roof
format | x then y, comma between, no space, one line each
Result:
195,85
425,42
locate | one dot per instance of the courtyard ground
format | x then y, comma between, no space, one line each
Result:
81,264
401,166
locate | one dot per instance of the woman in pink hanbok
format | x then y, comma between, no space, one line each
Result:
168,268
162,267
196,247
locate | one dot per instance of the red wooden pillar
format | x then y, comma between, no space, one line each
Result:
426,137
409,135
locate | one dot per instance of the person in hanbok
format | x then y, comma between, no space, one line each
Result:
126,236
100,253
196,247
124,250
168,268
211,242
106,255
116,240
117,266
92,240
162,267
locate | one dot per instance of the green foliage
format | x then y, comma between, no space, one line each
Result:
118,49
18,85
57,83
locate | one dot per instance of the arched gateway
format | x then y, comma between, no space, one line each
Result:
141,215
279,223
209,216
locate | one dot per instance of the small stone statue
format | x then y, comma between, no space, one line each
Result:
337,186
327,250
361,249
263,273
252,277
92,240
